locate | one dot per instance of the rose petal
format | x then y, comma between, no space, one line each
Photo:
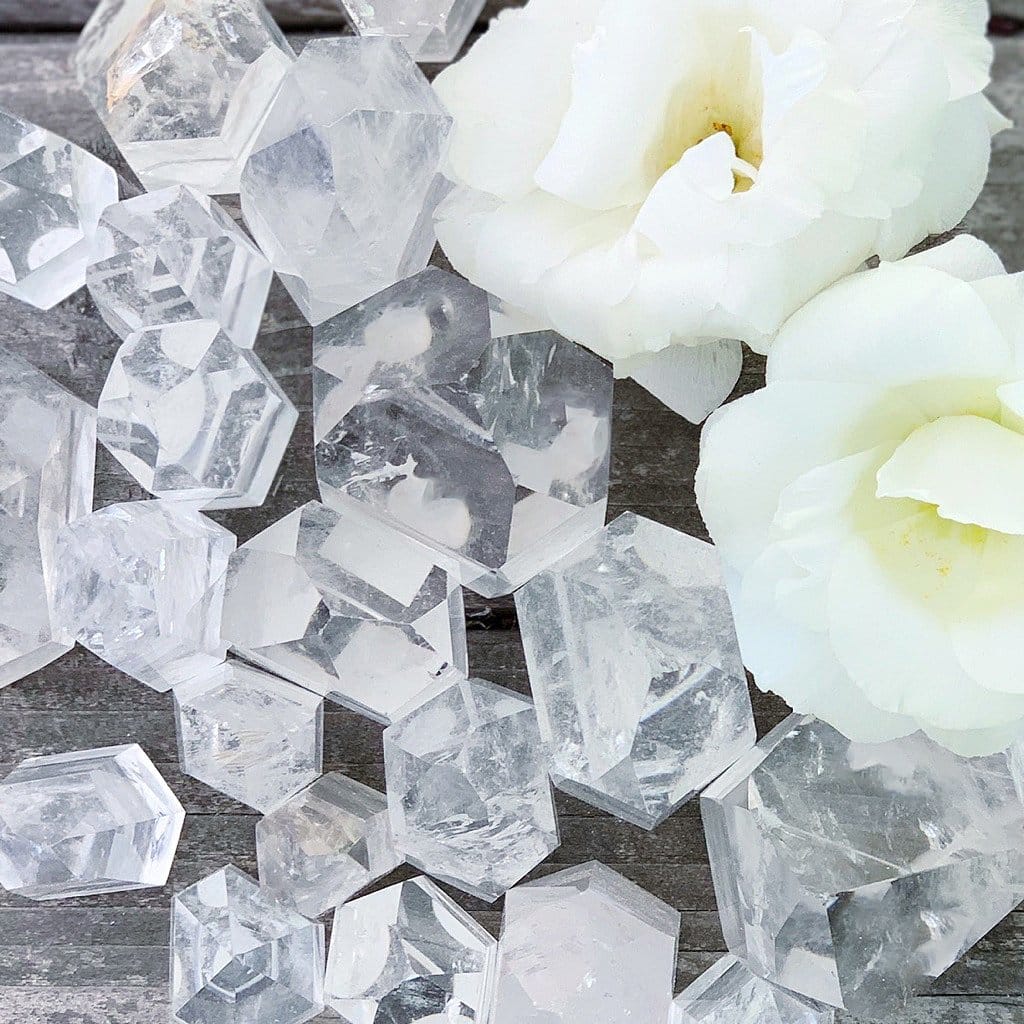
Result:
958,27
964,257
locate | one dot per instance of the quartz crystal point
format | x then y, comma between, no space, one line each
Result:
51,196
346,607
468,790
176,255
47,456
182,86
322,846
141,585
585,945
432,30
409,955
194,418
341,187
855,873
494,452
636,670
248,734
238,956
86,823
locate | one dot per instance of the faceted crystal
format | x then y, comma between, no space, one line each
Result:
636,670
47,456
194,418
432,30
248,734
51,196
176,255
346,607
240,957
409,955
85,823
182,86
141,585
585,945
341,187
322,846
854,873
468,790
494,452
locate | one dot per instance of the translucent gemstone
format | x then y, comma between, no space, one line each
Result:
248,734
855,873
409,955
195,418
585,945
141,585
47,455
85,823
182,85
341,187
322,846
176,255
432,30
468,790
493,452
636,670
240,957
346,607
51,196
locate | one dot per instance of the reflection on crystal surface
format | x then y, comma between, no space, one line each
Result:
855,873
493,452
432,30
85,823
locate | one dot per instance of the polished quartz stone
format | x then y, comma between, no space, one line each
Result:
432,30
141,585
346,607
248,734
493,451
182,86
468,790
342,184
319,848
585,945
47,457
84,823
409,955
855,873
636,670
194,418
176,255
240,957
51,196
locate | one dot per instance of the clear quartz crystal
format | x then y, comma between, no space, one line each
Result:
636,670
855,873
342,184
432,30
182,86
85,823
51,196
495,452
346,607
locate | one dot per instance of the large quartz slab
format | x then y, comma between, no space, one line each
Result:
141,585
85,823
51,196
182,86
636,670
342,184
347,607
494,452
47,460
468,789
585,945
432,30
855,873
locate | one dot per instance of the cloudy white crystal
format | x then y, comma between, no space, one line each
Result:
432,30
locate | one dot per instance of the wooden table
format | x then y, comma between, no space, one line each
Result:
104,960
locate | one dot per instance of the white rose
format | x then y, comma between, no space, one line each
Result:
643,174
869,503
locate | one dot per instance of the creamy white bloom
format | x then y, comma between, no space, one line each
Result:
869,503
651,173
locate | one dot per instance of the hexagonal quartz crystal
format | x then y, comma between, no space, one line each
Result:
432,30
